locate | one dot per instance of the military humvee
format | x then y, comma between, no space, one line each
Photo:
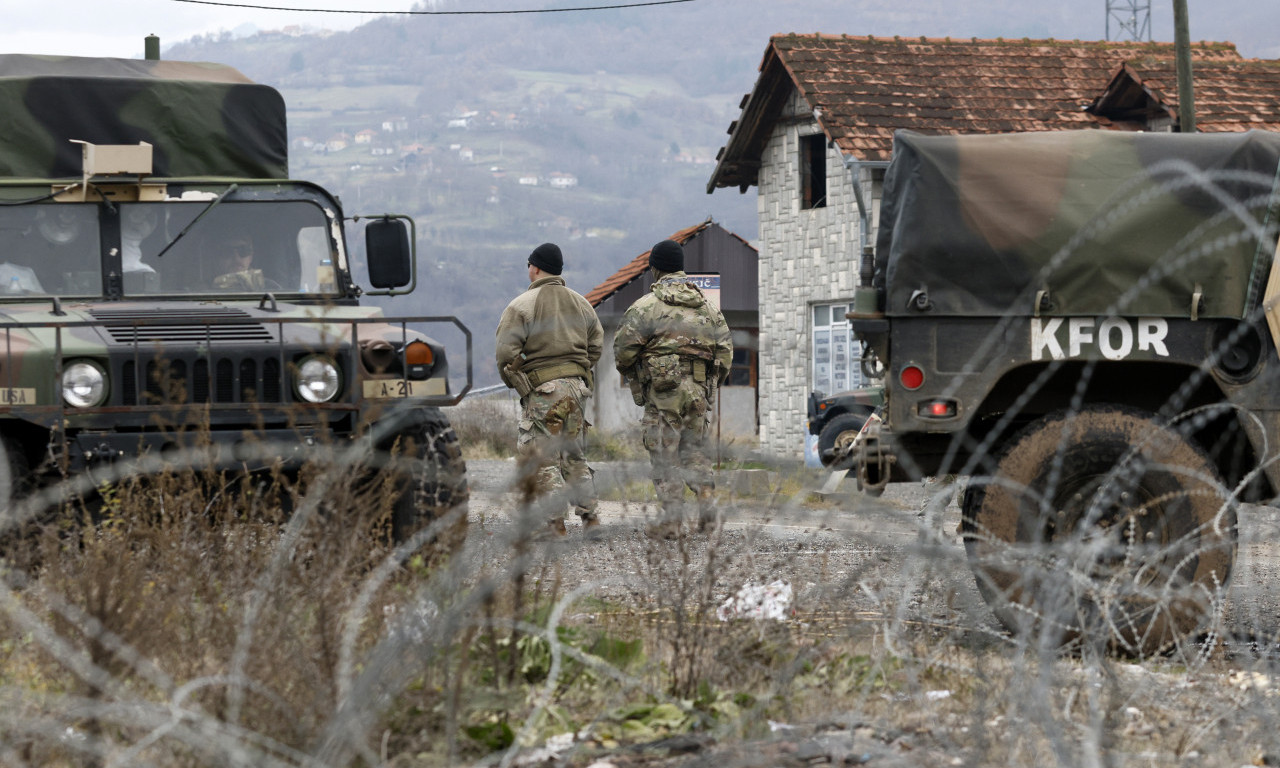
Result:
165,287
1084,324
837,420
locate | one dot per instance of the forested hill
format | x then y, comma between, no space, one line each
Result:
596,130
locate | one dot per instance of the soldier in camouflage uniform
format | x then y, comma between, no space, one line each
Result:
548,341
674,349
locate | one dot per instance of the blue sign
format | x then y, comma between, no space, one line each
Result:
709,285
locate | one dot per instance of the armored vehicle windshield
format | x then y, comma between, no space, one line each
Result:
166,248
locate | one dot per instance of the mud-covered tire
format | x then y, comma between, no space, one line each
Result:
838,434
1101,525
19,521
14,479
431,483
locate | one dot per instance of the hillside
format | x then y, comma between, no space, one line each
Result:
497,145
594,130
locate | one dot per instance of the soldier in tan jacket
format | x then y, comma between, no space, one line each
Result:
548,341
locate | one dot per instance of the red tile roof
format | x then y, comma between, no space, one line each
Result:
862,89
1229,95
637,266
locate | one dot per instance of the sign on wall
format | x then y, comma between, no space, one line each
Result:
710,285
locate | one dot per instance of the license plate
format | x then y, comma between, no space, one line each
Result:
16,396
376,389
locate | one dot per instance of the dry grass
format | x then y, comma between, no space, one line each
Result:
193,624
486,426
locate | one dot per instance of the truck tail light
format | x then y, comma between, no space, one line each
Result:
912,377
941,408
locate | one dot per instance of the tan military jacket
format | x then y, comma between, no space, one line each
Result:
548,324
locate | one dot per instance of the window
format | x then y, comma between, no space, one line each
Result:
745,360
238,247
836,363
813,171
50,249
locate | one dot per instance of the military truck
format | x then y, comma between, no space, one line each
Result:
166,287
1084,325
837,420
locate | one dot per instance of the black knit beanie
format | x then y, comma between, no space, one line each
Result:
547,258
667,256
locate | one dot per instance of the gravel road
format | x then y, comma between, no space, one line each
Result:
846,553
863,568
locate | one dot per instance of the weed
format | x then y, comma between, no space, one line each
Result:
189,619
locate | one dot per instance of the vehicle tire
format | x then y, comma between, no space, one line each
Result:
14,478
431,483
837,435
18,522
1101,526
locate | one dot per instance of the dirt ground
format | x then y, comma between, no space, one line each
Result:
809,538
899,560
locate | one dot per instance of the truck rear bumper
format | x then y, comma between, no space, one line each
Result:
873,457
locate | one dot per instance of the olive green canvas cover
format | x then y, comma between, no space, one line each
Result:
1095,222
201,119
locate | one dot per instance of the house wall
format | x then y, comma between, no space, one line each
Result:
806,257
613,409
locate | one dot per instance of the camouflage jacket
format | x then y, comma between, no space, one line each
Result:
674,318
547,325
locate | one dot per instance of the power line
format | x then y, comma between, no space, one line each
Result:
256,7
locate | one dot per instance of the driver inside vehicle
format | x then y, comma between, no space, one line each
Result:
234,266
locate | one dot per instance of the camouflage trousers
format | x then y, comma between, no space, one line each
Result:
550,448
676,428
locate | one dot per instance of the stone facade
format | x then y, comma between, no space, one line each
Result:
807,257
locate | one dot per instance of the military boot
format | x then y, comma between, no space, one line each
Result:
708,515
668,530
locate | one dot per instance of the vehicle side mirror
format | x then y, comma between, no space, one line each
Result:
386,242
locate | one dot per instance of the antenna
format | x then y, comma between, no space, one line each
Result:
1131,20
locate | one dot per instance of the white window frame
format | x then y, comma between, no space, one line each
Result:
836,363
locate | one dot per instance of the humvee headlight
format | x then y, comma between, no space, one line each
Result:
318,380
84,384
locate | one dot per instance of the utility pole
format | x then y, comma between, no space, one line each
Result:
1182,53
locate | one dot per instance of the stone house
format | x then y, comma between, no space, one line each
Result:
710,250
814,137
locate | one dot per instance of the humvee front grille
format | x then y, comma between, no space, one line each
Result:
164,371
235,380
189,326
